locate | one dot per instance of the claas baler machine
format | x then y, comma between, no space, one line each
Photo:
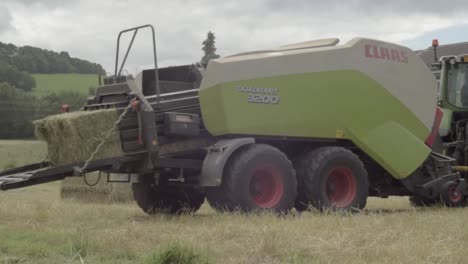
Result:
307,125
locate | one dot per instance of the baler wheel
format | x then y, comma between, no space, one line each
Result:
331,178
257,177
451,195
153,199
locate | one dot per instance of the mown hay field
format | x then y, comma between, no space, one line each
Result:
37,226
20,152
79,83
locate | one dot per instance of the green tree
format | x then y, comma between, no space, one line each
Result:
51,103
8,49
37,60
24,63
19,79
17,111
209,48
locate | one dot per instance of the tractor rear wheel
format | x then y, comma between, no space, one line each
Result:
331,178
257,177
154,199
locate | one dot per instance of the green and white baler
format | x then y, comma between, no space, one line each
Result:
307,125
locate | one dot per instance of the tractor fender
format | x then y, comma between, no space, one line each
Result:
216,158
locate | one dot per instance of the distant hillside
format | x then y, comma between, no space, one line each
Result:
36,60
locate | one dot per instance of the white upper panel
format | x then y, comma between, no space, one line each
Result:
302,45
310,44
398,69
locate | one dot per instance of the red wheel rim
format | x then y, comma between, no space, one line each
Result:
340,187
266,186
454,194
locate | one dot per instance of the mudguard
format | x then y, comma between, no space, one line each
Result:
215,160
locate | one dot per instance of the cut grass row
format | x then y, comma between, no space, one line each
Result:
36,226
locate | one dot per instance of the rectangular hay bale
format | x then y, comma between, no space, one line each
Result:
76,189
73,137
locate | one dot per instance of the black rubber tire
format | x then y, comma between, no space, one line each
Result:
313,172
218,199
248,176
153,200
451,195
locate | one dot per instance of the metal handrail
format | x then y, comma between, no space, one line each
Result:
135,31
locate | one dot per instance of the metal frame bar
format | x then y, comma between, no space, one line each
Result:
441,158
38,174
126,53
30,167
440,180
135,31
179,163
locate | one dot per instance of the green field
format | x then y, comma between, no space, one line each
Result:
20,152
36,226
64,82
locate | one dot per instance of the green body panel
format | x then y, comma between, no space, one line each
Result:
444,127
337,104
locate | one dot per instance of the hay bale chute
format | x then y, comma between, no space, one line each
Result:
73,137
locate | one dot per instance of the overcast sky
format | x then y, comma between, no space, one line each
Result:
88,28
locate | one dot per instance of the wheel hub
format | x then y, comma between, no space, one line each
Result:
266,186
454,194
340,187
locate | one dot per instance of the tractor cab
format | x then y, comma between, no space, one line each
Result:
453,101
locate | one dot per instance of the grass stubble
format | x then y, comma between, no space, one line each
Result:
37,226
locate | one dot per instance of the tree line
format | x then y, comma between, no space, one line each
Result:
36,60
19,108
18,63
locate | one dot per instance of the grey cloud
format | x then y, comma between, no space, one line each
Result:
378,7
5,19
405,6
47,3
244,25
